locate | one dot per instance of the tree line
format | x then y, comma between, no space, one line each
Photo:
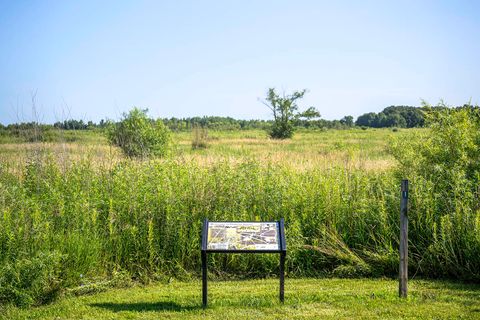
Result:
392,116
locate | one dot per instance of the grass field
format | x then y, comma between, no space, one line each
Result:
257,299
76,212
365,149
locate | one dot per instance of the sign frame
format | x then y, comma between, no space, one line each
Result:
282,251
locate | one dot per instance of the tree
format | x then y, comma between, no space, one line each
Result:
347,121
395,120
309,114
139,136
284,112
394,116
367,119
380,120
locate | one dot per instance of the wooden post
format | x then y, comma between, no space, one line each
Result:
403,270
283,254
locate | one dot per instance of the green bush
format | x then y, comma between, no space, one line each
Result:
281,130
139,136
443,165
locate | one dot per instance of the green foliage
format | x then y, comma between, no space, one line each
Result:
214,123
31,281
444,166
143,218
139,136
73,124
347,121
393,116
284,112
230,124
30,132
310,113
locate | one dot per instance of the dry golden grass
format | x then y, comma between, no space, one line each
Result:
349,149
15,156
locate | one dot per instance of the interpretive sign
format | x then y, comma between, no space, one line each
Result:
243,237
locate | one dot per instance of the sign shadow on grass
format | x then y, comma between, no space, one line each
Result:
144,306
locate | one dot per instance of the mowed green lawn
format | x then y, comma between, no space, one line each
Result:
258,299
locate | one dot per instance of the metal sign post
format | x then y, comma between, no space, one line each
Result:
243,237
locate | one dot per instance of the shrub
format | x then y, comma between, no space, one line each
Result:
281,130
34,281
444,168
139,136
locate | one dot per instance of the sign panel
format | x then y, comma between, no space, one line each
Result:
243,236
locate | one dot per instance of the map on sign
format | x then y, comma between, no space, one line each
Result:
242,236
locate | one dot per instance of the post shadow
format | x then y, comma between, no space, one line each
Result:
144,306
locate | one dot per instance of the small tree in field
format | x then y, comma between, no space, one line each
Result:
139,136
284,110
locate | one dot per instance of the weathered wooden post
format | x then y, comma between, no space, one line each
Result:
403,270
283,253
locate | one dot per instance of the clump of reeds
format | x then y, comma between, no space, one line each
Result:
199,137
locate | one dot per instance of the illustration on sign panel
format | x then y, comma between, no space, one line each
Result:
243,236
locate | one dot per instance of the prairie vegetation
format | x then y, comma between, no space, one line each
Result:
308,148
79,213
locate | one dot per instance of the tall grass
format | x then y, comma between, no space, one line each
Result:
84,220
199,137
145,218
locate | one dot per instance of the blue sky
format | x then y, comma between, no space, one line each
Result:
96,59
